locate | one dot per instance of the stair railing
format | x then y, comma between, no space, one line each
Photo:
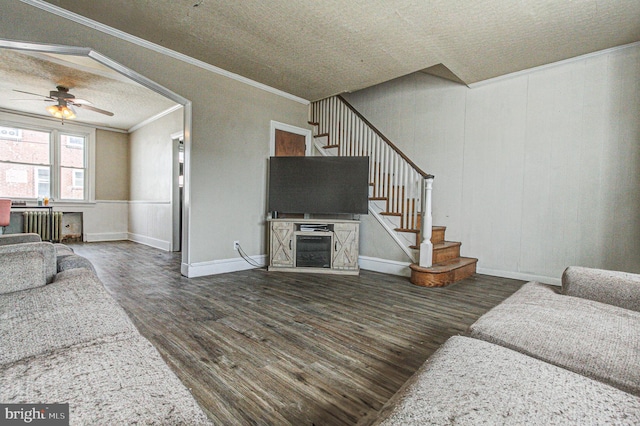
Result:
393,176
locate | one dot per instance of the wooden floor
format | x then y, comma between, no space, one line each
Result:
274,348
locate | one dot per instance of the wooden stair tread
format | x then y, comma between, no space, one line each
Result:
390,214
440,246
446,266
443,273
412,231
446,244
321,135
415,231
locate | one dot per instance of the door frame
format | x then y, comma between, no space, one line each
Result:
176,204
276,125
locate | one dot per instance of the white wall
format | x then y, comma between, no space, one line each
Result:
533,173
150,186
106,220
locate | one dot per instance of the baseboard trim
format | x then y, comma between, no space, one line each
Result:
223,266
520,276
386,266
150,241
105,236
394,267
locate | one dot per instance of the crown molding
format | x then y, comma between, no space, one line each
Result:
51,119
79,19
552,65
154,118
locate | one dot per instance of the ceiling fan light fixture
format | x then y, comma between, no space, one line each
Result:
62,112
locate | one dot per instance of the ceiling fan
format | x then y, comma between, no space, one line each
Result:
65,101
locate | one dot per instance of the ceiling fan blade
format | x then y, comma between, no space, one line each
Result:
29,93
77,101
90,108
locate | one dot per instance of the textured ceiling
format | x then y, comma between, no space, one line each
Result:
87,79
314,49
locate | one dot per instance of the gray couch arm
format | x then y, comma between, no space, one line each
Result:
26,265
73,261
19,238
620,289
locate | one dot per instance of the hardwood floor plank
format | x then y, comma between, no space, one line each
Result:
267,348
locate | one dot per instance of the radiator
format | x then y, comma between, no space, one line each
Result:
49,228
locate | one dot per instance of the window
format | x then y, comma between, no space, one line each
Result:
78,179
25,162
37,160
72,160
43,182
74,141
9,133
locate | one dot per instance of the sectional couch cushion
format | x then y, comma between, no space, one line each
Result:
594,339
74,261
73,310
26,265
19,238
471,382
110,383
611,287
62,250
67,259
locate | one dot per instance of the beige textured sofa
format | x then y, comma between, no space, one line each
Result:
64,339
544,356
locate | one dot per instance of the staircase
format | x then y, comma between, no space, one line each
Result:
399,195
447,267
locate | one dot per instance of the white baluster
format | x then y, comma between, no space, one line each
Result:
334,122
426,247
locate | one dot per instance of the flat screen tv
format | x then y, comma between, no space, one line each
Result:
321,185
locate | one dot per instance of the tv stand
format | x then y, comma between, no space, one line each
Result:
325,246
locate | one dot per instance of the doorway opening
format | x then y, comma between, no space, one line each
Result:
286,140
289,141
151,85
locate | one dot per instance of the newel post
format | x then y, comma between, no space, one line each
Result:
426,247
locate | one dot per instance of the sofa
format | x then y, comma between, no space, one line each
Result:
545,356
64,339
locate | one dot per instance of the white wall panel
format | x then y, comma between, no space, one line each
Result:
553,138
149,223
620,201
493,174
106,220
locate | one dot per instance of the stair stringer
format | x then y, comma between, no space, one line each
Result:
387,224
